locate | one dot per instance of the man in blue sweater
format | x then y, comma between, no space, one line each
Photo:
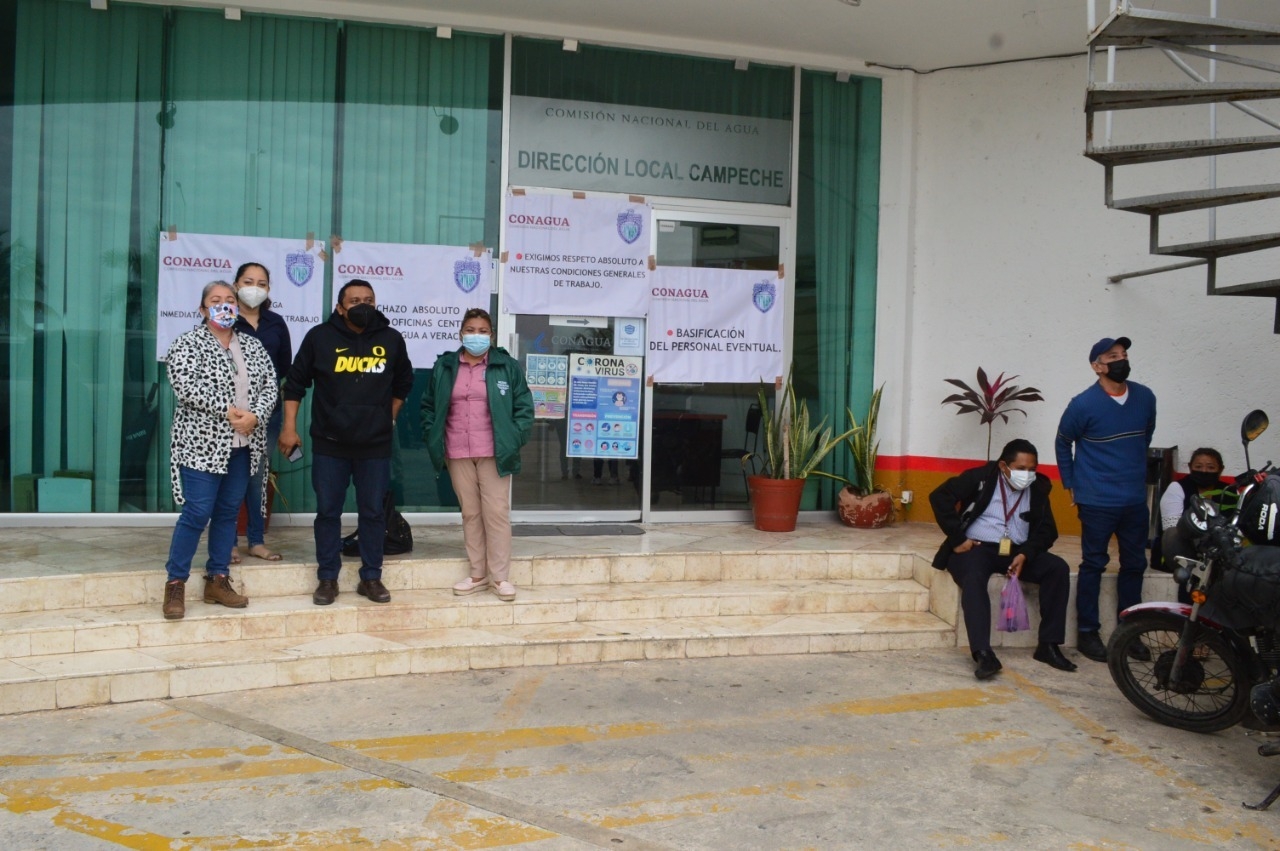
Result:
1102,456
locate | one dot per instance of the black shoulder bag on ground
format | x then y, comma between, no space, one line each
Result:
399,538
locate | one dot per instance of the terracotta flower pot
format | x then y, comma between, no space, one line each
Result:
864,512
775,503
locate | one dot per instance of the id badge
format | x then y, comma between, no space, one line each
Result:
1006,546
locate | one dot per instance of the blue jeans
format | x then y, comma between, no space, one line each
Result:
330,477
1097,524
256,529
213,500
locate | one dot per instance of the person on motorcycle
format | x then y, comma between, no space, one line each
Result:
1101,450
997,519
1205,476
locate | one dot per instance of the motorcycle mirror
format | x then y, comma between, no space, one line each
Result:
1255,423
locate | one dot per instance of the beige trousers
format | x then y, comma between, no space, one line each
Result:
485,498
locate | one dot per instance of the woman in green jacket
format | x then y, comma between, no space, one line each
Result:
476,415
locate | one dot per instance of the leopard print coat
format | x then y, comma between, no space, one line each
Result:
201,377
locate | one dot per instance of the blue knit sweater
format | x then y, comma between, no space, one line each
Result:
1102,446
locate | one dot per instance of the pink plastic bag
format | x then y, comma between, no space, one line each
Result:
1013,608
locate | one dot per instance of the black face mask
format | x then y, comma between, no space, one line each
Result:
1203,479
1118,371
361,315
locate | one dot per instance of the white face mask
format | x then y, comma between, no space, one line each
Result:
251,297
1021,479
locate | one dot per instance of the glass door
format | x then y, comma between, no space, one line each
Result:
699,432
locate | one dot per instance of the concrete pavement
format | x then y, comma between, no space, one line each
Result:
867,750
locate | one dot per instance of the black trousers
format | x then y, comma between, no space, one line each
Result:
971,571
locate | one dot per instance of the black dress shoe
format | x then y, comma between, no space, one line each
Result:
374,590
1091,647
1052,656
988,664
326,592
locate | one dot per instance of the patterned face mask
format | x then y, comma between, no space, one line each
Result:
223,315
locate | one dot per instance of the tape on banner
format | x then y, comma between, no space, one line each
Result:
503,259
324,256
777,383
336,242
648,382
580,195
517,191
477,249
653,263
782,270
173,233
636,199
311,239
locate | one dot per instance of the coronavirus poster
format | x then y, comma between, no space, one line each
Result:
576,256
189,261
604,406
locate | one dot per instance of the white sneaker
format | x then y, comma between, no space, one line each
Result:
505,590
470,586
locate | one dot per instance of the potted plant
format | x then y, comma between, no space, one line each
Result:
792,449
992,399
860,503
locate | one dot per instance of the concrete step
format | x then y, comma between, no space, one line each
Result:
176,670
64,631
1133,27
1101,97
1150,152
261,580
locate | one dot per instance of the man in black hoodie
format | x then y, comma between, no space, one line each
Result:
362,376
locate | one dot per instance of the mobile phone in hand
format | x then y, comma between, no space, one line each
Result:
296,454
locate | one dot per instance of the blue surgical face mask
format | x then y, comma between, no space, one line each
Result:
475,344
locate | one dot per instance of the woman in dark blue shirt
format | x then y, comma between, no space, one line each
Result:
253,288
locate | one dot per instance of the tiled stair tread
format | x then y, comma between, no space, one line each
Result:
534,605
931,630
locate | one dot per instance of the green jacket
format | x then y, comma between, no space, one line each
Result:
510,407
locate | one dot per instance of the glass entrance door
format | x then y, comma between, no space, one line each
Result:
699,432
633,451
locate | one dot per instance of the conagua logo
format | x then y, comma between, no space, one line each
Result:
299,266
763,296
361,270
466,274
630,226
197,262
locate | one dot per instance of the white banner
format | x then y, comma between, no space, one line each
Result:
577,256
423,289
715,325
192,260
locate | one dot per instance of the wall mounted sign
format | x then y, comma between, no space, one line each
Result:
570,144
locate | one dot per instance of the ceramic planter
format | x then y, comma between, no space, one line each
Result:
775,503
864,512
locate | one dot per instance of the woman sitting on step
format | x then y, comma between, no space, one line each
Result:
225,386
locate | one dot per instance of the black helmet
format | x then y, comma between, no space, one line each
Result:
1265,703
1196,521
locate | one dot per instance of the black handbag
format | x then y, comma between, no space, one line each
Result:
399,539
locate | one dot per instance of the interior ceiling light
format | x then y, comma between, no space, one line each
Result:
232,13
444,32
571,45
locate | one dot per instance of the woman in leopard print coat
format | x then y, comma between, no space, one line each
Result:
225,386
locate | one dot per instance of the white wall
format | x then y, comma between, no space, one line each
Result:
1008,245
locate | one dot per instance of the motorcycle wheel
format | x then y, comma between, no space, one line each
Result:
1212,692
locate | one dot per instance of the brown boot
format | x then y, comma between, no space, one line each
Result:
217,589
174,607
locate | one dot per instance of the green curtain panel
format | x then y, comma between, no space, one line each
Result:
839,196
84,94
249,150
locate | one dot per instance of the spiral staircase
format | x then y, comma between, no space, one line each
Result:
1185,39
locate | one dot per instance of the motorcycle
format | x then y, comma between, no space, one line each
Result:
1211,664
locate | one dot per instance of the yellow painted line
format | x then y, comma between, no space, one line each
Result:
718,802
115,833
54,787
440,745
448,814
122,757
1215,827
